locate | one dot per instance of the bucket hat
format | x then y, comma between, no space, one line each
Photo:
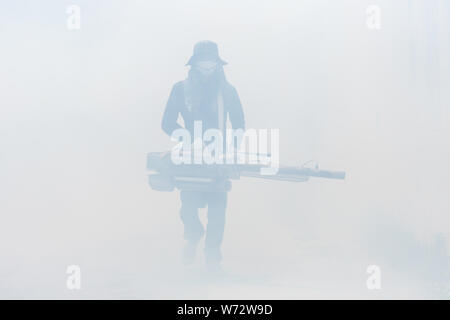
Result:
205,50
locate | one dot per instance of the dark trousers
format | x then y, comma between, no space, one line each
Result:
191,201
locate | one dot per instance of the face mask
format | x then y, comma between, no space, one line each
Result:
206,68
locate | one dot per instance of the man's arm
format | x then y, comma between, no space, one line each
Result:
169,121
235,111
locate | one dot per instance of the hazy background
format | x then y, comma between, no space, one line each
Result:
80,109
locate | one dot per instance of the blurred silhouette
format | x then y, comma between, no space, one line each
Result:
204,96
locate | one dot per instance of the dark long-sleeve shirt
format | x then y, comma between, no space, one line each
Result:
176,105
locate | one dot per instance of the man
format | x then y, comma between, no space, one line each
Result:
204,96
